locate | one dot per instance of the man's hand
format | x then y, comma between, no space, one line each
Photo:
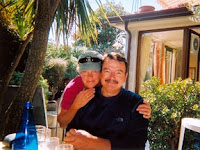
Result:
145,109
82,140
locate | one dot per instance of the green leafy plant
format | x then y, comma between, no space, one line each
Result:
44,83
54,72
71,69
60,67
107,35
170,103
17,78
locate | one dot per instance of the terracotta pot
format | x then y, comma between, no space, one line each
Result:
146,8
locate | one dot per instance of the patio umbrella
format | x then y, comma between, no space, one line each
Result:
177,3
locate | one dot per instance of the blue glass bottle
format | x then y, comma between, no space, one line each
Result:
26,137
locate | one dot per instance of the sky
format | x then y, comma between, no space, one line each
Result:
127,4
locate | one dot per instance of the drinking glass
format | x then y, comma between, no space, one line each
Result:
52,142
64,147
41,136
48,133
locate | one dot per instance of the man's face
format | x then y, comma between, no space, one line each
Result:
90,78
113,76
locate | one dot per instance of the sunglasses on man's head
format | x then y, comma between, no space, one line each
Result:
91,59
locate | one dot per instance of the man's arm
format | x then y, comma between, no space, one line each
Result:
134,138
82,140
135,133
66,116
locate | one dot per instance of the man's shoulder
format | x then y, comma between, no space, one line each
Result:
130,98
130,94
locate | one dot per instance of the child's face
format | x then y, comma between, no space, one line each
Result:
90,78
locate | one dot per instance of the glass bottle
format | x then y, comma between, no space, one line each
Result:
26,137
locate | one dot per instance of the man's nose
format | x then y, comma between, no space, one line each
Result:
112,75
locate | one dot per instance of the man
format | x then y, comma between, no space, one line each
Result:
80,90
110,120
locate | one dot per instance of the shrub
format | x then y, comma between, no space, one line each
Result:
54,72
17,78
60,67
43,83
170,103
71,69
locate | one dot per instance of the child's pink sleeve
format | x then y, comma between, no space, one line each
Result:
71,91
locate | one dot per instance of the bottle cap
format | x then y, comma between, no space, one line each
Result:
28,104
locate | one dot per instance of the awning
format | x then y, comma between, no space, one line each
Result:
177,3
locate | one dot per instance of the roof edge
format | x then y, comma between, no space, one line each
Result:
166,13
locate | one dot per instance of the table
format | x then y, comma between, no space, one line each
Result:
188,123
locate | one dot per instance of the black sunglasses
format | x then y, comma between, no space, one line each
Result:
91,59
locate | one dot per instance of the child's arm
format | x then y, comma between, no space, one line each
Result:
66,116
145,109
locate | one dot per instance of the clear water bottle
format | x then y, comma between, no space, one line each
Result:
26,137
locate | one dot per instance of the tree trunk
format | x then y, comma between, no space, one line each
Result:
6,79
8,74
45,14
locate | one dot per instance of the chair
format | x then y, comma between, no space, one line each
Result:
188,123
39,107
52,112
61,132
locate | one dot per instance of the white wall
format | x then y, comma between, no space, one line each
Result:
132,63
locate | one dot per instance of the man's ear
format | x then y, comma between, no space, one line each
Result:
126,76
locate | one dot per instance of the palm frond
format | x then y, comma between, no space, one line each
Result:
78,13
22,15
87,20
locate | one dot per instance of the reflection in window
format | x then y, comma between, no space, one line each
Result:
194,48
159,59
169,65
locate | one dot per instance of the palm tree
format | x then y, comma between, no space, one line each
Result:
65,13
19,15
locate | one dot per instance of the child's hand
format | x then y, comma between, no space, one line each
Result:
145,109
83,98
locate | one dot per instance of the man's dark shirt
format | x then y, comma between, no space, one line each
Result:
114,118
